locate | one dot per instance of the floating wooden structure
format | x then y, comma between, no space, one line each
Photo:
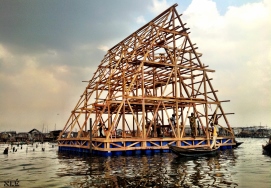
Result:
150,75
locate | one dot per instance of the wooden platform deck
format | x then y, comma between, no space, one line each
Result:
136,145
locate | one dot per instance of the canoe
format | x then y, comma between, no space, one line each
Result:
237,144
267,148
194,152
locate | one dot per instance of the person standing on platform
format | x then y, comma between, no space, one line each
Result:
173,122
158,129
192,121
199,133
172,119
213,130
101,130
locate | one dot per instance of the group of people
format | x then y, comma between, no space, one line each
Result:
192,121
6,150
102,128
193,127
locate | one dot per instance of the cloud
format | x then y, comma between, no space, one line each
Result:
237,46
140,19
31,93
158,6
103,48
45,54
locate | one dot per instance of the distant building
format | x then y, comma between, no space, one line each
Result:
237,130
262,133
22,136
3,137
8,136
256,132
73,134
11,133
54,134
36,135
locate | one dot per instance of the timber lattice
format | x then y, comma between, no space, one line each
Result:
151,74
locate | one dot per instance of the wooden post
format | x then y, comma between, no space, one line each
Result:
90,135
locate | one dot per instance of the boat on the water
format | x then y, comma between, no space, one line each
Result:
194,152
237,144
5,151
267,147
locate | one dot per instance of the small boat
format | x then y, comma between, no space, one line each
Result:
5,151
267,148
194,152
237,144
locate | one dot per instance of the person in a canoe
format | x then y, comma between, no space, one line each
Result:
269,141
213,130
6,151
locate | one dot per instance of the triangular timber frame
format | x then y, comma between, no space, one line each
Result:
151,74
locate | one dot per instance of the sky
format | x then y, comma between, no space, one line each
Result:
47,48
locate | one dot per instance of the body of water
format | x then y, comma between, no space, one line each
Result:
29,167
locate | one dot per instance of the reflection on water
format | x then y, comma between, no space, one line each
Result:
162,170
243,167
205,171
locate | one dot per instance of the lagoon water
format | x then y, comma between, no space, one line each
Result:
243,167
